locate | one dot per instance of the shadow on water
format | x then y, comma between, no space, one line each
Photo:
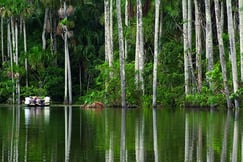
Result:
67,133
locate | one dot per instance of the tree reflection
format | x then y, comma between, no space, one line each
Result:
14,154
123,136
225,138
139,139
155,136
235,137
68,131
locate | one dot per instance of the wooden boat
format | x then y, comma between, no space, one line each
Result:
37,101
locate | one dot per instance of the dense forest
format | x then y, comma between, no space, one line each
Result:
122,52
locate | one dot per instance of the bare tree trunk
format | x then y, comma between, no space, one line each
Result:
198,45
121,53
241,36
68,78
44,29
221,52
232,48
107,29
111,34
189,28
10,51
126,24
2,42
25,51
209,39
156,44
186,69
139,62
17,75
108,35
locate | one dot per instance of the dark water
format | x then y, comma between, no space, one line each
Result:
73,134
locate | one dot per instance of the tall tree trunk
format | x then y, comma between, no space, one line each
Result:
108,41
241,36
121,53
139,62
209,38
13,38
10,51
44,29
25,51
111,34
198,45
189,28
221,52
68,78
156,44
107,27
17,75
232,48
2,42
186,69
126,24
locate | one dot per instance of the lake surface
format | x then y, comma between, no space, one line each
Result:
73,134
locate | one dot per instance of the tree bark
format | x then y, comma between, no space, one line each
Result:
68,78
209,38
139,62
108,35
121,54
25,51
2,42
186,69
221,52
198,45
241,36
190,64
126,24
232,48
44,29
156,44
10,51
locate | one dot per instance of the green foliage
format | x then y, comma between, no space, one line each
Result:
205,98
33,91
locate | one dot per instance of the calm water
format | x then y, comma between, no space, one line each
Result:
73,134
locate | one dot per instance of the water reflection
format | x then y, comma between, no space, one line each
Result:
123,154
68,131
72,134
155,138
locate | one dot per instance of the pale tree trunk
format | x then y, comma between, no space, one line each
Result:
25,51
107,28
156,44
189,28
10,53
44,29
121,54
108,41
221,52
186,69
13,38
111,34
222,15
2,42
241,36
68,78
126,24
139,60
198,33
17,61
232,48
209,38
